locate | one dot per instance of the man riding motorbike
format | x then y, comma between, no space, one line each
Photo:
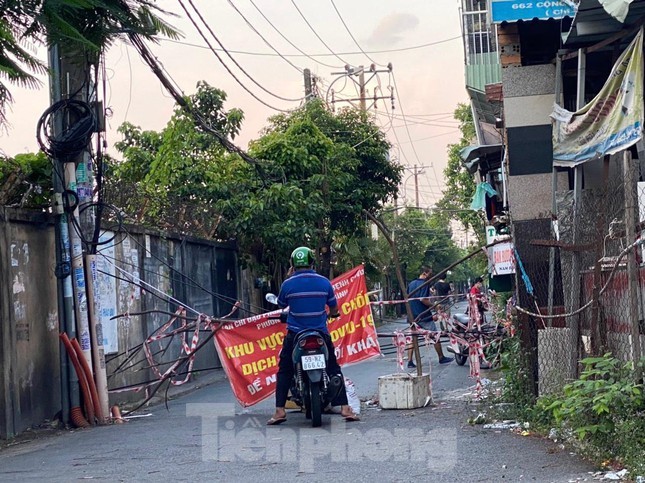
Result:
306,294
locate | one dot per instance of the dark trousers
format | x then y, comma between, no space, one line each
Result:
285,370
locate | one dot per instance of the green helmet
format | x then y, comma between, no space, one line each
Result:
302,257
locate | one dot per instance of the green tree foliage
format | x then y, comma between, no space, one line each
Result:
326,169
422,237
460,185
319,171
26,181
86,25
173,179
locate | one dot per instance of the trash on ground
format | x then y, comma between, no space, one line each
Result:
502,425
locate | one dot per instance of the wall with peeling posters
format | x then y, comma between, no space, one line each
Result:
200,274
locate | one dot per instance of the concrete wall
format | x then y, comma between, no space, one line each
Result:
29,348
201,275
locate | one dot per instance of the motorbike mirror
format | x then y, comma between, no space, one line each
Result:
271,298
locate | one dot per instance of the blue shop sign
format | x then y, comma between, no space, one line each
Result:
514,10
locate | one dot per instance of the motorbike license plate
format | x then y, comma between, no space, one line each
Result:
309,363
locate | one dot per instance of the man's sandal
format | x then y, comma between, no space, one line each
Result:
276,421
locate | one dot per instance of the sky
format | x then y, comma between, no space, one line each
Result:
429,79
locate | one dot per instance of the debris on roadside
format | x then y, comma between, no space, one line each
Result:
610,475
479,419
502,425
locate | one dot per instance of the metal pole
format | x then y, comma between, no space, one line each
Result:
554,203
554,210
574,321
632,266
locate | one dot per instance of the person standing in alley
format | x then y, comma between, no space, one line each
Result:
443,289
476,291
419,305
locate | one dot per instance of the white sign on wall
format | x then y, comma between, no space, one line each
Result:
106,297
503,259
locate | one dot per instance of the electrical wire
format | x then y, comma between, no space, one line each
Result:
201,17
290,42
351,34
432,137
250,25
180,99
74,136
407,129
203,35
316,33
310,56
194,283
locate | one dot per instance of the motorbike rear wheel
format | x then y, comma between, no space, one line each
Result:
307,401
316,404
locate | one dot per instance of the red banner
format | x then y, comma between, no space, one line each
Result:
249,349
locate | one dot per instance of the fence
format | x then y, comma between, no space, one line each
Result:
589,284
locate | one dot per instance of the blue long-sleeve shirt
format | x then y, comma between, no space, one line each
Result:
306,294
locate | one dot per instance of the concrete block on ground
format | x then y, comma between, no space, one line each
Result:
404,391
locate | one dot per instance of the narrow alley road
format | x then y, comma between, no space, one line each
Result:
206,436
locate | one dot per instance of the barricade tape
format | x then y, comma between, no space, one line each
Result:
431,297
203,322
471,335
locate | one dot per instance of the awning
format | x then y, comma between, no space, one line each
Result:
593,22
484,157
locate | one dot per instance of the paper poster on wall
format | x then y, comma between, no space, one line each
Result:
106,297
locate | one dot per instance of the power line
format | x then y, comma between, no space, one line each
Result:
176,93
425,121
289,41
304,54
432,137
235,62
201,33
407,129
250,25
350,33
316,33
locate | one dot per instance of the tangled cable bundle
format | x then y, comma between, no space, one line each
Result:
78,124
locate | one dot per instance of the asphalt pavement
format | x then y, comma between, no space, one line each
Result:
204,435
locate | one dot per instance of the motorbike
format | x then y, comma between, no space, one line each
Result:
312,387
460,351
460,327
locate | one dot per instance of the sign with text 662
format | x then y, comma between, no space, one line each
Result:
514,10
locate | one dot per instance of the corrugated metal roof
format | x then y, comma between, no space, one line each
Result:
592,23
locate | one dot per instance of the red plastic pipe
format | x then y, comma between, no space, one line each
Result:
82,380
90,380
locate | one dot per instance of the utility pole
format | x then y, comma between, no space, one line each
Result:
309,93
416,171
361,83
359,72
71,81
416,185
